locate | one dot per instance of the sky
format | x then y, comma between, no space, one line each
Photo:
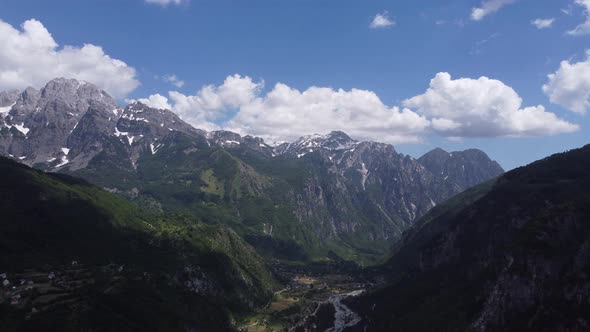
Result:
510,77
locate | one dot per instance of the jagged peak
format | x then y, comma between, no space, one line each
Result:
69,85
335,140
72,92
224,137
136,106
256,139
331,136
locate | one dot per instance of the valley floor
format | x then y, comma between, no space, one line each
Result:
311,300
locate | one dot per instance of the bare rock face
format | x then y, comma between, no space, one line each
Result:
8,98
40,122
69,122
393,190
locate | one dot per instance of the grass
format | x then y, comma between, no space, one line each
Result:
212,185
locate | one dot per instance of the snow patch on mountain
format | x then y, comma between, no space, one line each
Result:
129,136
5,110
64,161
154,148
334,141
21,128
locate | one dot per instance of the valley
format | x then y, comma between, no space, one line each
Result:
294,166
312,297
128,218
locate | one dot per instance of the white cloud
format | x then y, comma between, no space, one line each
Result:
488,7
155,101
569,86
165,3
211,103
451,108
172,79
285,113
381,21
543,23
584,28
32,57
482,107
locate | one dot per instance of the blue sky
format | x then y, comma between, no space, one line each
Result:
307,43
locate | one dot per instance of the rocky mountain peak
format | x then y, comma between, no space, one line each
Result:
39,124
74,93
337,140
436,153
232,141
138,118
136,106
435,159
224,138
61,87
334,141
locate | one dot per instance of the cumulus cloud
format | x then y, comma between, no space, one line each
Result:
31,57
285,113
584,28
172,79
543,23
482,107
569,86
211,103
381,21
488,7
155,101
451,108
165,3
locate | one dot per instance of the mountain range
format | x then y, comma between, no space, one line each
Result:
128,218
320,197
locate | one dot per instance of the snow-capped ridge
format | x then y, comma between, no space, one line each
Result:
333,141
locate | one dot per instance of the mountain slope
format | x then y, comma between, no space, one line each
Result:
360,195
115,267
514,255
465,168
